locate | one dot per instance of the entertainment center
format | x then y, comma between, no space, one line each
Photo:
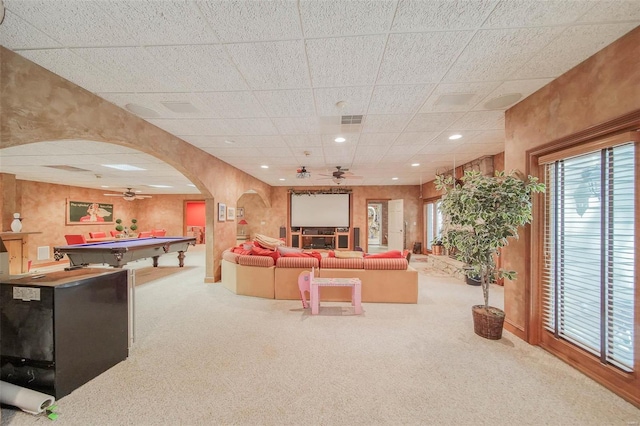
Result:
320,220
326,238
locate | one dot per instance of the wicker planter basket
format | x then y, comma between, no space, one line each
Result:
488,322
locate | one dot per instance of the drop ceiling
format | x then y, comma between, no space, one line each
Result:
261,83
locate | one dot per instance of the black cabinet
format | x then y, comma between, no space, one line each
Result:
60,330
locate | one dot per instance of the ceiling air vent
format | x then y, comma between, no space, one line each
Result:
69,168
455,99
351,119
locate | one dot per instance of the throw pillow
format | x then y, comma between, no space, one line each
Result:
259,251
268,242
284,250
348,254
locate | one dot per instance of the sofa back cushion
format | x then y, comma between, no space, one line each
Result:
259,251
297,262
264,261
343,254
336,263
392,254
386,264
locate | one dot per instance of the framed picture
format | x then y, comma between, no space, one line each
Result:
88,213
222,212
240,212
231,213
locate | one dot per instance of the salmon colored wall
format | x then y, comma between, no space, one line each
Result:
195,213
605,86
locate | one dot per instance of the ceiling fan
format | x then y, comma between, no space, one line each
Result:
340,175
129,195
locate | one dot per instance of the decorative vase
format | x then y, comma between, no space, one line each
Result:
16,225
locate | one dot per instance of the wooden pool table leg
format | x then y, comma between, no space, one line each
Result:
181,258
155,261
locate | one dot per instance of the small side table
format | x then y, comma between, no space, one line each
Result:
316,283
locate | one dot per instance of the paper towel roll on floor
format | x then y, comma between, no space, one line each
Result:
27,400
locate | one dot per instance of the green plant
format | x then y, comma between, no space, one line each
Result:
133,226
119,226
480,213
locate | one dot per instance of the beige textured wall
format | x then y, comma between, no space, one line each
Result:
603,87
38,105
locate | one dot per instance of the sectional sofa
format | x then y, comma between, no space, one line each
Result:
390,280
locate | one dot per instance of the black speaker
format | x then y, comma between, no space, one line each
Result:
283,232
356,237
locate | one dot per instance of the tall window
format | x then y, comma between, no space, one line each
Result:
433,221
589,252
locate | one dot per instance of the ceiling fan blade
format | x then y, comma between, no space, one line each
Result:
112,195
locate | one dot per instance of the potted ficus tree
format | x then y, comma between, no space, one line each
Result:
480,213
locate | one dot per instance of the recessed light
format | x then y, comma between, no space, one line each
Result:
123,167
229,142
282,179
104,186
454,137
415,164
394,178
264,166
160,186
340,139
191,185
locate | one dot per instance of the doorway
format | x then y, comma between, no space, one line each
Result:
377,223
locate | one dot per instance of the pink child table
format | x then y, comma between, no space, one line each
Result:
316,283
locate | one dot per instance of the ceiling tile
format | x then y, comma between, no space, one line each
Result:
339,17
152,22
194,65
273,65
385,123
15,33
398,99
68,65
235,21
355,100
475,92
533,13
496,54
420,58
613,10
297,126
303,141
433,122
376,139
480,120
513,87
419,139
154,101
73,23
220,127
269,151
133,68
571,47
420,15
287,103
233,104
349,61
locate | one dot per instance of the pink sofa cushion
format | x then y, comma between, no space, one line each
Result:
263,261
386,264
335,263
297,262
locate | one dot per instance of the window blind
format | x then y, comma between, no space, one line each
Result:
589,250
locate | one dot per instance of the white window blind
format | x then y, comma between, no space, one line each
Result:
588,276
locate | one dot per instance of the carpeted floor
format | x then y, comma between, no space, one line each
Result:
204,356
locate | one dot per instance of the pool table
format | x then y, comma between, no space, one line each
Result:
119,253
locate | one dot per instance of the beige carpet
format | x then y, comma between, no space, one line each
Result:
150,273
204,356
